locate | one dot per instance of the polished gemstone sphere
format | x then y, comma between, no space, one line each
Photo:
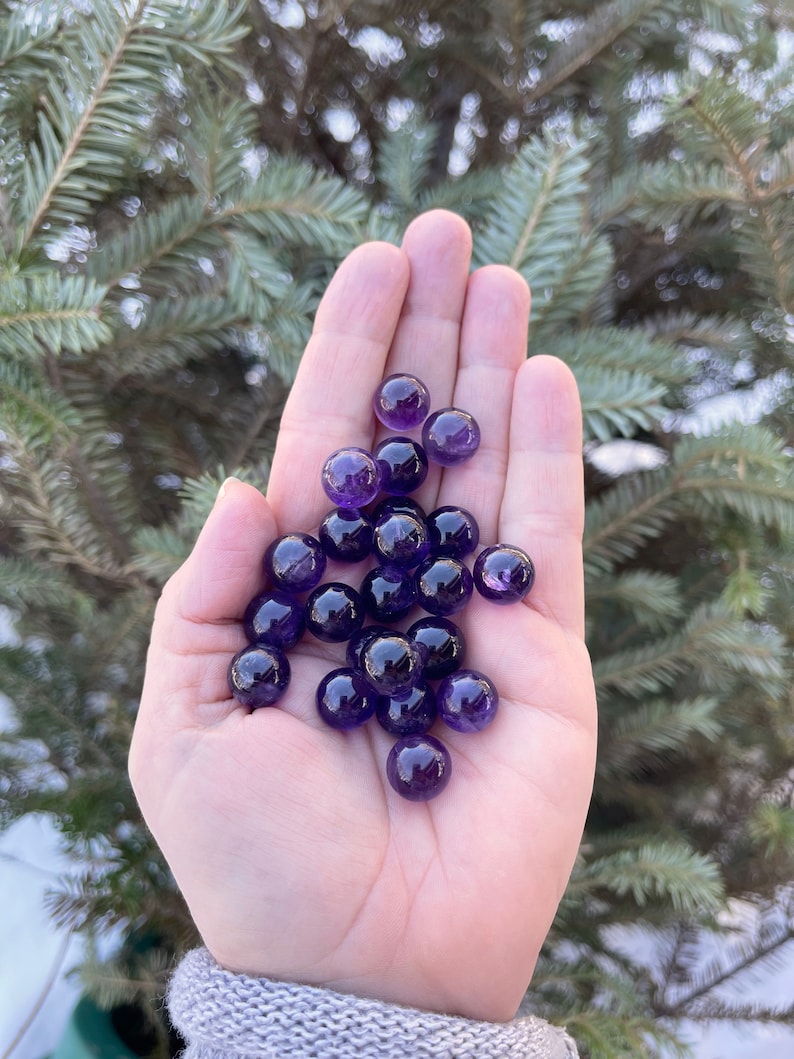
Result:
419,767
388,593
401,401
345,700
442,643
334,612
452,531
401,539
467,700
393,505
403,465
443,585
450,436
391,662
274,618
346,534
503,573
295,562
408,713
351,477
258,675
358,641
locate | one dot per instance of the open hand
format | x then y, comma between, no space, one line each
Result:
297,859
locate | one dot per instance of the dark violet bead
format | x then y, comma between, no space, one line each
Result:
345,700
346,534
442,643
403,465
467,701
503,573
450,436
295,562
408,713
443,585
453,531
401,402
418,767
391,662
358,641
334,612
351,477
274,618
388,593
401,539
258,675
394,505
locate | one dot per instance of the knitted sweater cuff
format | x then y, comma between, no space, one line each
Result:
224,1016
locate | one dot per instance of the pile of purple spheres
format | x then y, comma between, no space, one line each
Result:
408,681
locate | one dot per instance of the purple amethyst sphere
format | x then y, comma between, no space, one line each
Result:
503,573
351,477
450,436
401,401
418,767
258,675
467,700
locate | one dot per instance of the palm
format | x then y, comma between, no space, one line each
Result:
296,857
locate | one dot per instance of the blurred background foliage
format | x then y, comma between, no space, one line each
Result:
178,181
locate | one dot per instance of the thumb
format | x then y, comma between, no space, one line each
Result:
224,570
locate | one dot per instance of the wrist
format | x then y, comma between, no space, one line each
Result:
492,996
242,1014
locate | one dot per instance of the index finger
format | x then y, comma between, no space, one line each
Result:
330,404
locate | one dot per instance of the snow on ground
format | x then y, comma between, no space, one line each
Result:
32,949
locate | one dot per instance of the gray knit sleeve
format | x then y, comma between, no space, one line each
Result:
228,1016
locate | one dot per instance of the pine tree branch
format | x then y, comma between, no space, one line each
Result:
23,37
42,316
490,77
774,491
98,507
136,617
43,310
305,206
602,28
6,226
310,39
618,402
655,733
644,871
746,958
753,193
109,66
257,423
55,531
635,517
557,155
287,199
194,215
713,640
47,326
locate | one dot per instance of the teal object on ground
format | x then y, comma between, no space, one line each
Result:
89,1034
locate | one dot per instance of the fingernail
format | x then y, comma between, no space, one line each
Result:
222,490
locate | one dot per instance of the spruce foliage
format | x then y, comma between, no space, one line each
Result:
178,181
